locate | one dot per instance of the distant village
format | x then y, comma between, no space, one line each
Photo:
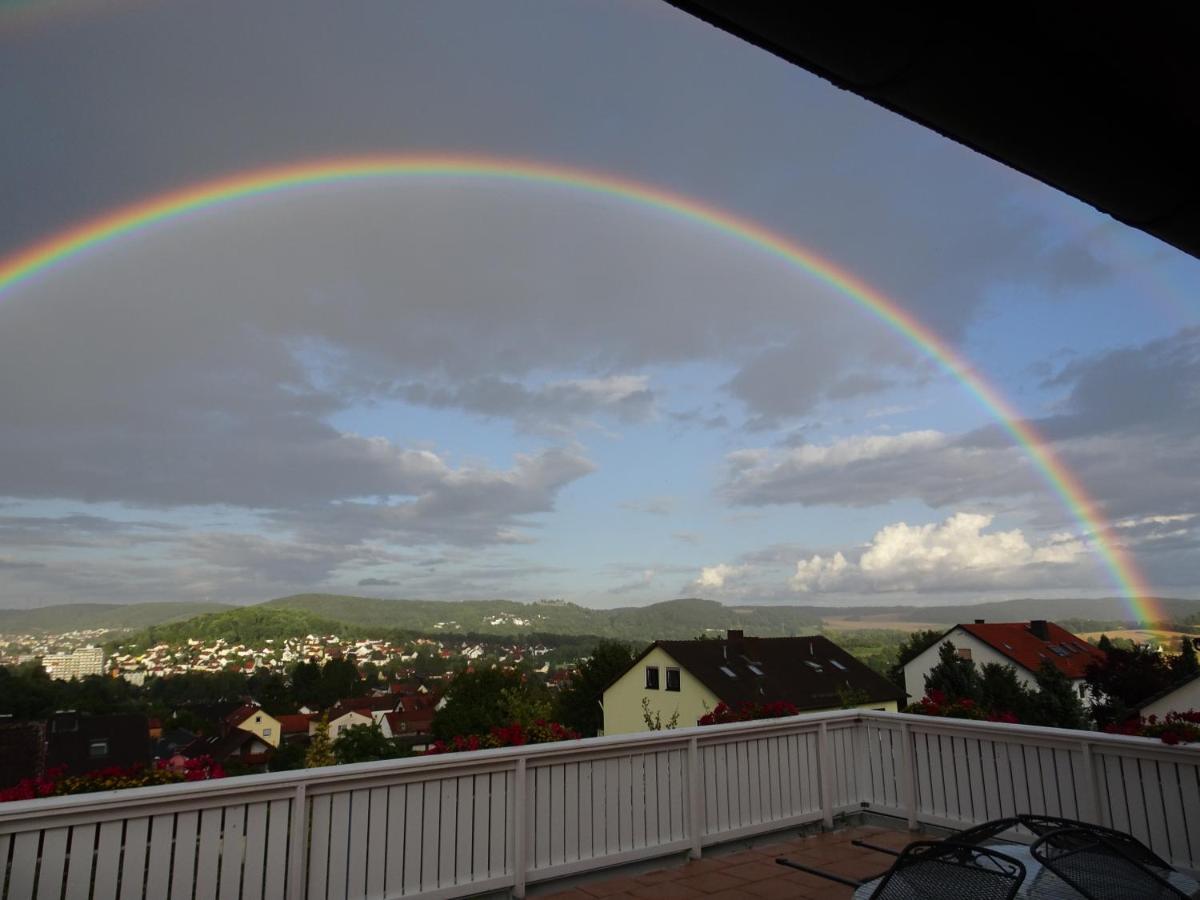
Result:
76,655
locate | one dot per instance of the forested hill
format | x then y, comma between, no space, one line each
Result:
669,619
686,618
81,616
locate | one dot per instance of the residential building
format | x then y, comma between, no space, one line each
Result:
257,721
1179,697
1022,645
78,663
294,727
84,743
684,680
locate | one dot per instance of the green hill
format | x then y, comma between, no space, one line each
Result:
78,616
250,625
669,619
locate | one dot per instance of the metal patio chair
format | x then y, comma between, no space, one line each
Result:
1100,868
976,834
936,870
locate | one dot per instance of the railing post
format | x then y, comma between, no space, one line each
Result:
1093,810
825,767
695,800
520,830
298,852
908,781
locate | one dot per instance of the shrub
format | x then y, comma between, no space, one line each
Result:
56,783
1173,728
514,735
935,703
747,712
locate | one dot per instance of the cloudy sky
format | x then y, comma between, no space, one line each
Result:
453,388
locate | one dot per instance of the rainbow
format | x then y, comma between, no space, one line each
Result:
64,246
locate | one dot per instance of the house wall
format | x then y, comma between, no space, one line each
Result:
981,654
1179,700
264,726
623,700
342,722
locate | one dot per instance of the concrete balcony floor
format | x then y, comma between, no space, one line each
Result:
751,873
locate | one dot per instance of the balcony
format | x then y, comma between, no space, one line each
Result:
512,819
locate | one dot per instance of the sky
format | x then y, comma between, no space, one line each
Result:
454,388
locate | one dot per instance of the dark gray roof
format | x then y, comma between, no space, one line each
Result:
809,672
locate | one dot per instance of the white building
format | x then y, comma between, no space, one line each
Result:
79,663
1178,698
1022,645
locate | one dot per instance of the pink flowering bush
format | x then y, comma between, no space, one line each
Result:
1173,728
748,712
57,783
935,704
514,735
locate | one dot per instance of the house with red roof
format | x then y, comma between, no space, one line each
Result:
1022,645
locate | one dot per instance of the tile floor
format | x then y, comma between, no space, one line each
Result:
753,874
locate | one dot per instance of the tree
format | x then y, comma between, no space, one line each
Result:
1001,691
1124,679
1055,703
320,750
339,679
364,743
910,648
306,681
1184,665
578,704
474,702
953,676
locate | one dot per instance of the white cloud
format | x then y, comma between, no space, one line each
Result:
715,577
957,553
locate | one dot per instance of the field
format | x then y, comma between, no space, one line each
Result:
1169,639
886,622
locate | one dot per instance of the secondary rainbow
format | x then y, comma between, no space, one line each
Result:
62,247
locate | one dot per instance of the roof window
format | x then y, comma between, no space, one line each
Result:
813,665
837,665
754,668
728,671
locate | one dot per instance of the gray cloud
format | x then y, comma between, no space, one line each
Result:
1135,403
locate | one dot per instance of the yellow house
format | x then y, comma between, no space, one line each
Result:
680,681
258,722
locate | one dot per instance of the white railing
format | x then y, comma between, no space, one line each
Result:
461,824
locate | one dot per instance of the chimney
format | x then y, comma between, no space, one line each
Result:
1039,629
979,621
736,637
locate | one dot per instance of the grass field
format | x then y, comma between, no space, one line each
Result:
1169,639
884,623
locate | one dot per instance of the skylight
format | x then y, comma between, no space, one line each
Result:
753,668
813,665
728,671
836,664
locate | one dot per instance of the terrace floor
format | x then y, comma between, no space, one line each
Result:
752,873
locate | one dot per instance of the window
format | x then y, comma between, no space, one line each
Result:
728,671
652,678
753,668
98,747
964,653
258,720
266,732
813,665
837,665
672,679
